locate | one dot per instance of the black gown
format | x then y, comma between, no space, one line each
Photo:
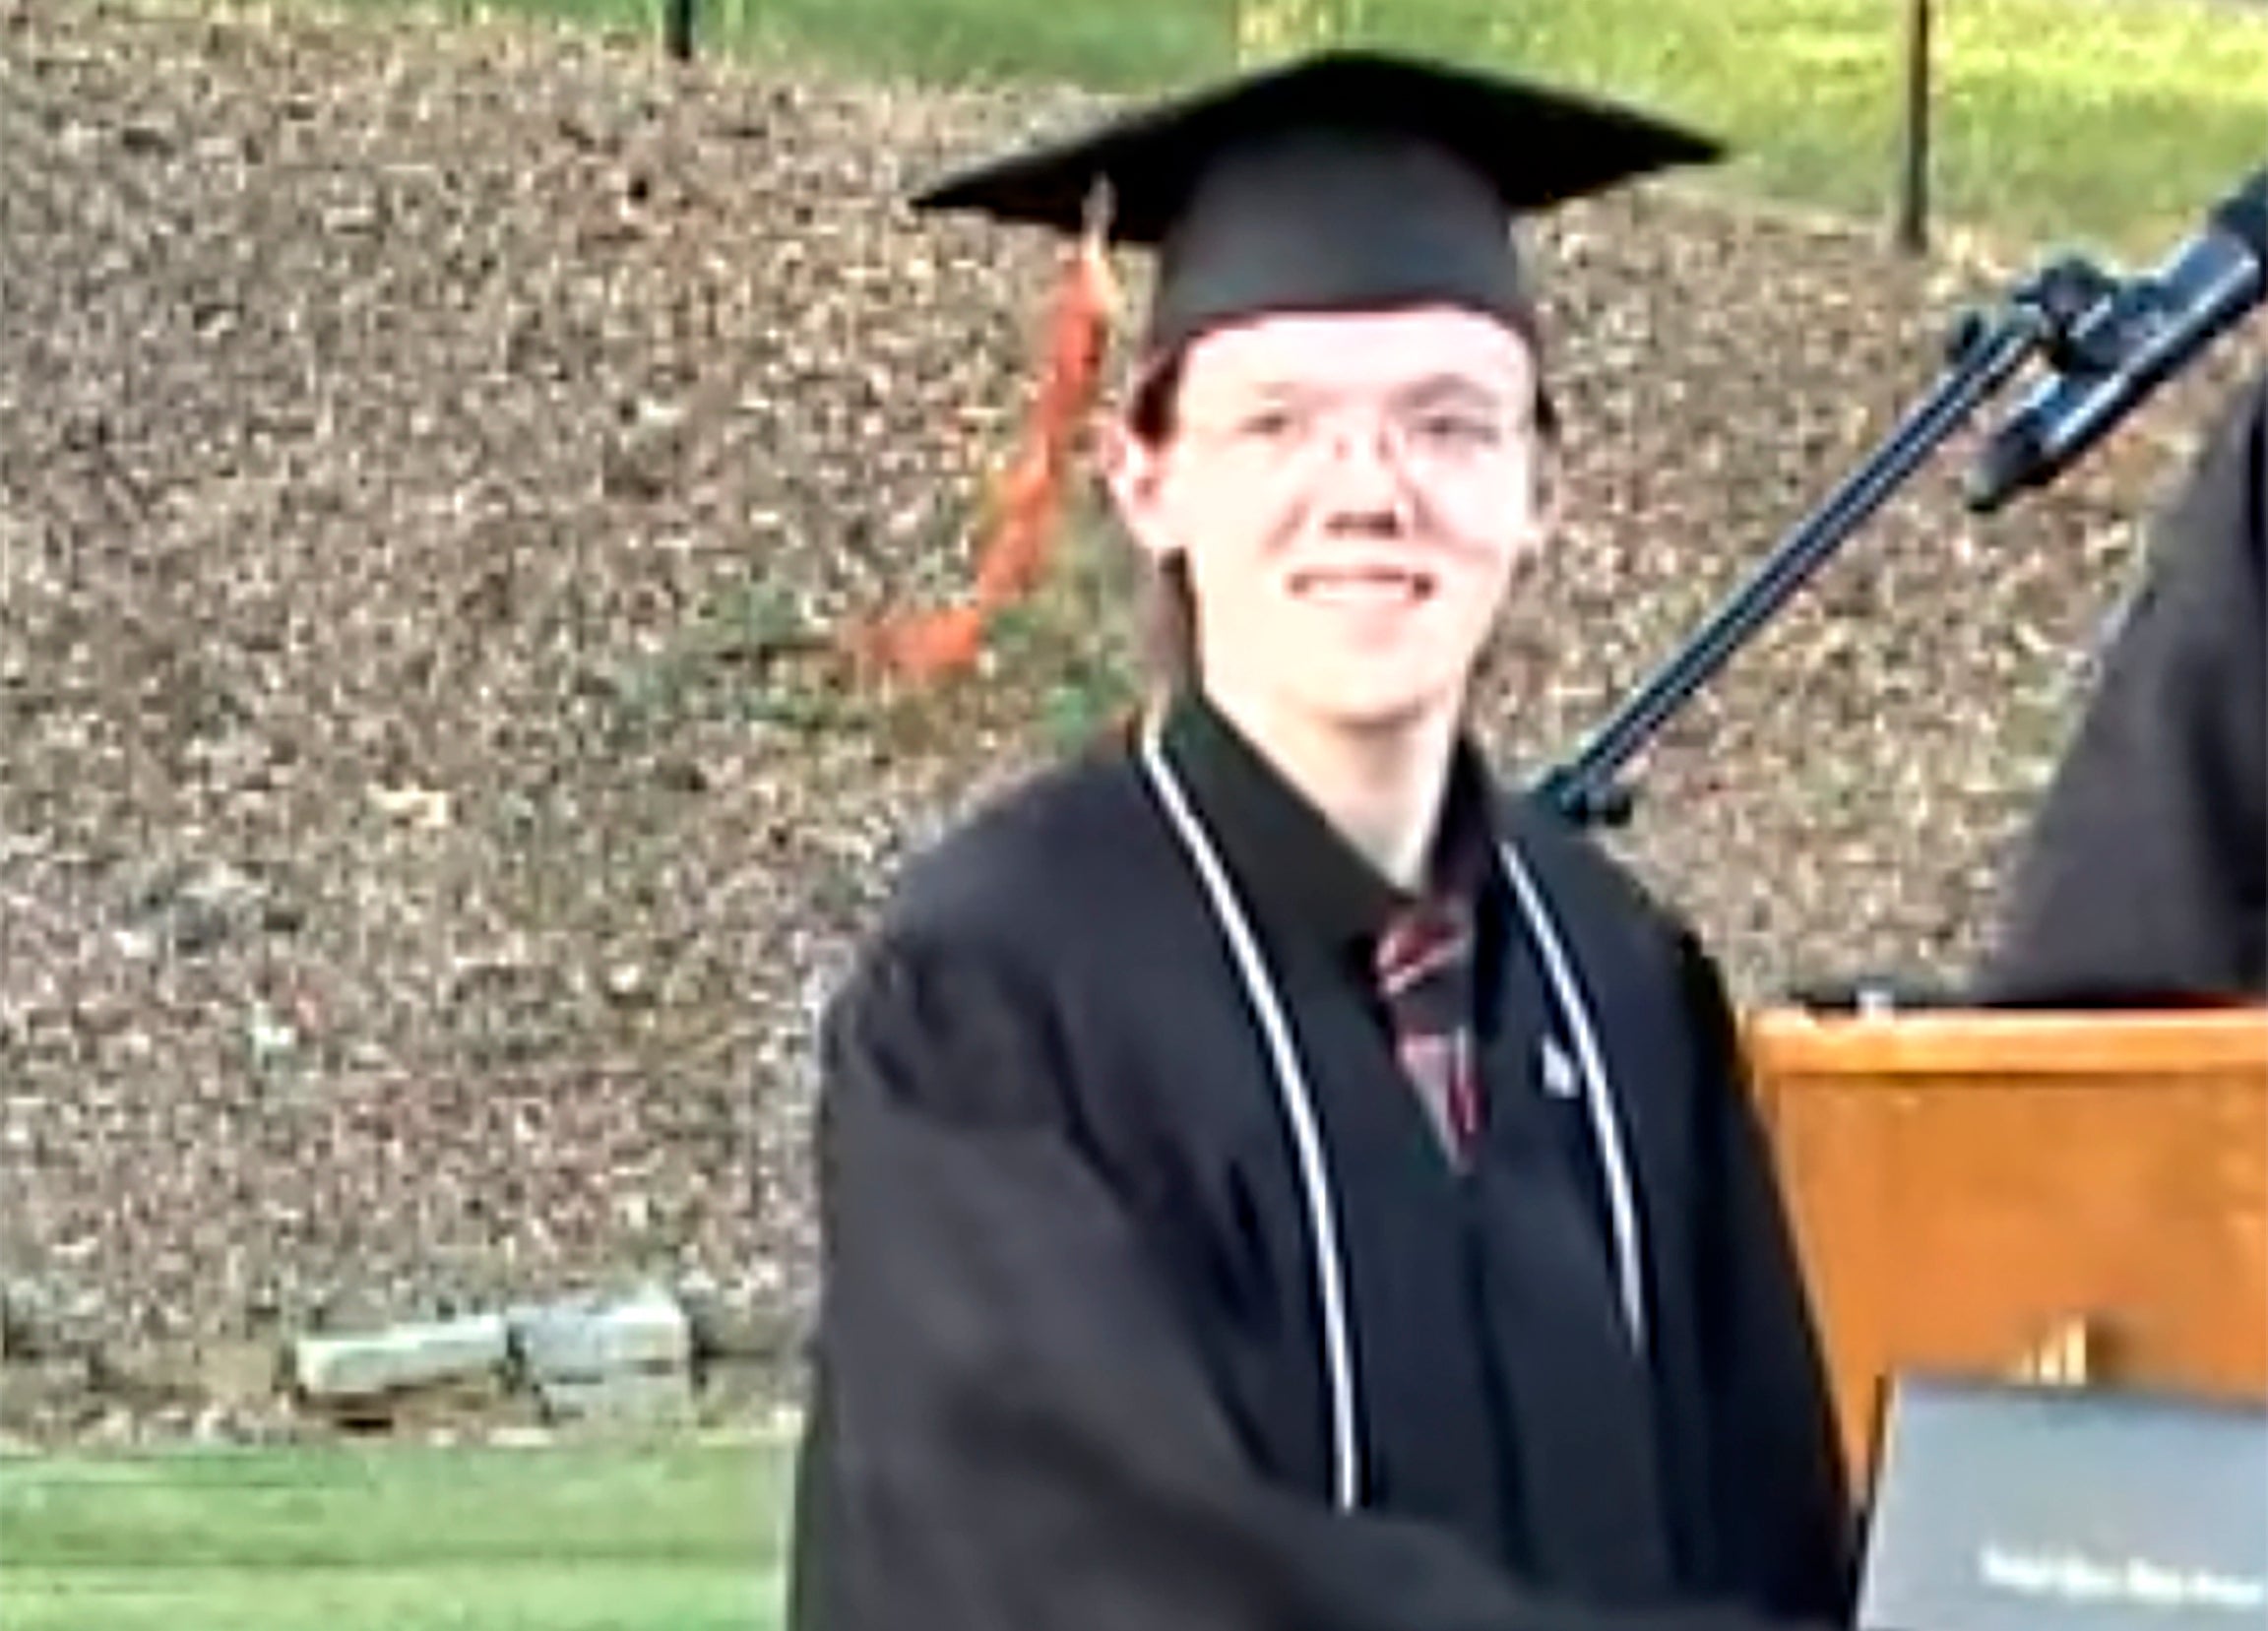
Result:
2144,878
1068,1366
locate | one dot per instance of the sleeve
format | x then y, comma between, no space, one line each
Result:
1787,1528
1009,1429
2145,875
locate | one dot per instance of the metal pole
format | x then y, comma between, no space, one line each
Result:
1912,232
1586,790
677,29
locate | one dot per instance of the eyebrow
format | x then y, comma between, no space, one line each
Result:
1427,387
1434,386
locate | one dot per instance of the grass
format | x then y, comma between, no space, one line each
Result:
623,1536
2104,123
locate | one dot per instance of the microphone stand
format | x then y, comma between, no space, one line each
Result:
1985,353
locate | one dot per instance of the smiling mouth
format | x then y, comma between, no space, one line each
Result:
1363,586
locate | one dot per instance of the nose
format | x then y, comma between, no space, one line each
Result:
1364,490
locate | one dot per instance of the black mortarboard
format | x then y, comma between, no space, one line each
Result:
1349,180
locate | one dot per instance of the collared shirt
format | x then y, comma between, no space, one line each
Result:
1311,890
1317,900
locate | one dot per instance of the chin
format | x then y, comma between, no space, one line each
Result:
1377,708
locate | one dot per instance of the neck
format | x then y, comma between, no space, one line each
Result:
1380,787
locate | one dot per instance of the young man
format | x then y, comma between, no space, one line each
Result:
2144,880
1270,1177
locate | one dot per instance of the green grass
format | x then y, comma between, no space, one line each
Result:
631,1538
2108,123
2112,120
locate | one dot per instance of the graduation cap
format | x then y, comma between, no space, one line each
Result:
1348,180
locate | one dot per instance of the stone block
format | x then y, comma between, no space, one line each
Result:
402,1357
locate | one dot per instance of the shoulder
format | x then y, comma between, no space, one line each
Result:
2216,528
1023,865
1572,864
955,997
2245,422
1609,910
2194,617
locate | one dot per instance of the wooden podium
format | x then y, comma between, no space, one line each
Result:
2068,1196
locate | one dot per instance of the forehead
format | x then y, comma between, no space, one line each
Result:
1358,351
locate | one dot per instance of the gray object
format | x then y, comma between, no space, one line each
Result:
405,1357
2008,1508
594,1336
612,1361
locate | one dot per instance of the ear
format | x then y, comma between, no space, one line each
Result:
1134,471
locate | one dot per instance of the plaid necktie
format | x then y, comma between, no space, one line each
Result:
1424,972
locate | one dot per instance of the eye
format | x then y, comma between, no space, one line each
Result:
1275,422
1457,430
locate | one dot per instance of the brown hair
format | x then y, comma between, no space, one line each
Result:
1168,610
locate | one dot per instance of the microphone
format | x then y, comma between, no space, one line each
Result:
2131,339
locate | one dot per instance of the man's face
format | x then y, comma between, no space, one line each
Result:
1352,494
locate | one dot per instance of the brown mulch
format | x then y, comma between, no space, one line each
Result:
424,833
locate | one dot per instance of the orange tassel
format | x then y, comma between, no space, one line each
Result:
1028,499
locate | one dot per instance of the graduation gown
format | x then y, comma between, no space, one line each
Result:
1069,1363
2144,878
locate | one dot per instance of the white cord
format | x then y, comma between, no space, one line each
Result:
1298,1108
1621,1209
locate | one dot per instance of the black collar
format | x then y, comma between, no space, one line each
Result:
1305,883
